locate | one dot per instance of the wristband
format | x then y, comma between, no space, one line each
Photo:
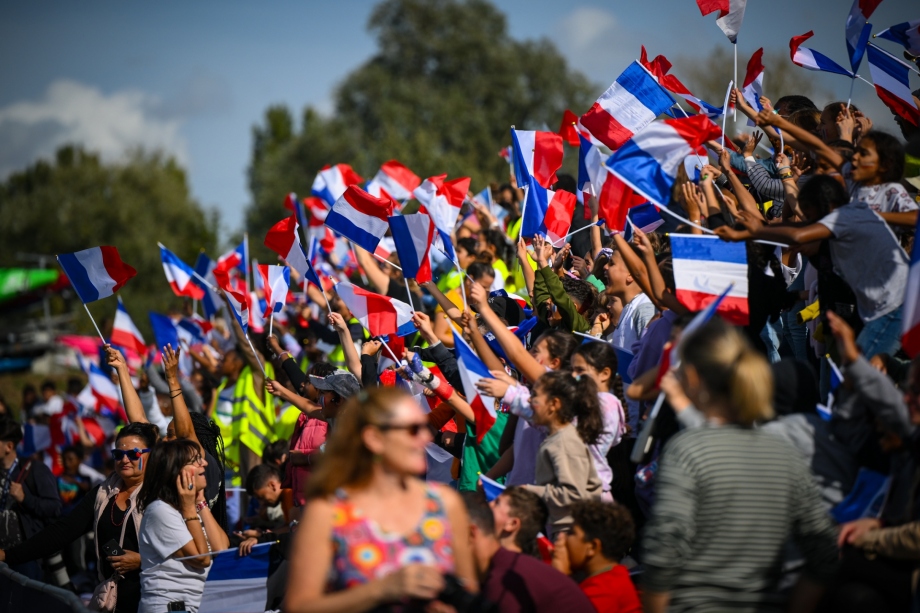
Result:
201,506
188,519
781,168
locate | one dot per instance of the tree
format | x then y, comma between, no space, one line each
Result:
440,96
77,202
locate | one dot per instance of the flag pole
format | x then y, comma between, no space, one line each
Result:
386,261
735,80
725,107
256,354
408,293
246,261
390,351
462,285
850,97
271,320
588,227
95,325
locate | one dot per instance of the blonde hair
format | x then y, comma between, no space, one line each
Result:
346,462
731,370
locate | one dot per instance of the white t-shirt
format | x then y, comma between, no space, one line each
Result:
633,320
163,578
883,198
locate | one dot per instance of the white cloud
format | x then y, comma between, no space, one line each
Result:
586,27
73,112
594,42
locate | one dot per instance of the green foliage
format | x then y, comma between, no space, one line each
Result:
77,202
439,96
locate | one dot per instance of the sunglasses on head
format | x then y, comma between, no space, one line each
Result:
412,429
133,454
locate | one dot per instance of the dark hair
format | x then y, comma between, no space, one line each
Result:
822,193
273,452
208,433
565,182
477,507
165,463
666,268
598,356
74,385
890,154
321,369
531,511
608,522
795,103
579,290
598,269
48,384
835,108
10,430
147,432
577,400
497,239
468,244
476,270
77,450
259,476
842,147
559,344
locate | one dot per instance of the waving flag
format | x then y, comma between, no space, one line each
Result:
910,320
413,235
360,217
235,583
443,199
332,181
180,275
547,212
393,180
906,34
752,87
659,67
381,315
890,77
125,333
614,198
95,273
537,155
235,258
731,13
472,370
648,164
568,129
646,217
284,240
628,106
104,390
704,267
240,307
276,281
811,59
858,29
164,330
212,300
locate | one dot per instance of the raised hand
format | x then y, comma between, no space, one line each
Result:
171,362
752,143
338,322
713,172
423,323
114,358
725,160
477,295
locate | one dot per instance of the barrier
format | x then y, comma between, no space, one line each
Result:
19,593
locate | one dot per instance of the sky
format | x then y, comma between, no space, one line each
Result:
192,78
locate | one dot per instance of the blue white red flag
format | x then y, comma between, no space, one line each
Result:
125,333
705,267
164,331
239,304
906,34
332,181
890,77
858,29
108,398
393,180
537,155
380,315
212,301
659,67
646,217
284,239
731,14
752,86
811,59
235,583
633,102
413,235
95,273
648,163
275,280
233,259
180,275
472,370
614,198
547,212
491,488
360,217
443,199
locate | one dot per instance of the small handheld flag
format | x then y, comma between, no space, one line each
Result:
95,273
179,275
125,333
906,34
360,217
413,235
811,59
472,370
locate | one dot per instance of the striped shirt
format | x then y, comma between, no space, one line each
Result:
728,499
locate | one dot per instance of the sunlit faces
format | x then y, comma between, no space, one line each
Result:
580,367
200,464
617,274
126,466
544,407
540,352
865,163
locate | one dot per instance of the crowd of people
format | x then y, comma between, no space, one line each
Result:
778,460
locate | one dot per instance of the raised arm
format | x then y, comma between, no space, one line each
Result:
379,279
525,363
480,344
450,309
182,420
133,406
804,137
746,201
526,271
352,359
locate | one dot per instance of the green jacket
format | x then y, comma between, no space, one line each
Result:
547,285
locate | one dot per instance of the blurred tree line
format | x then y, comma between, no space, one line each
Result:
77,201
440,96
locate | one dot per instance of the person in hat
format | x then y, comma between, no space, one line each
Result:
334,390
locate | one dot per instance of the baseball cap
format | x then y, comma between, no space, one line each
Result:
341,382
507,309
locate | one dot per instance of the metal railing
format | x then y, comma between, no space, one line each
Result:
19,593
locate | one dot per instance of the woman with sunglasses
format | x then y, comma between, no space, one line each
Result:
373,535
109,510
177,524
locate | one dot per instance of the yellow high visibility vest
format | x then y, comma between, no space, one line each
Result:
284,426
225,420
257,427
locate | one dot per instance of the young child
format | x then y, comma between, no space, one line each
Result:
263,483
601,535
565,471
519,517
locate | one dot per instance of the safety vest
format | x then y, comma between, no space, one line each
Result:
287,421
450,281
252,420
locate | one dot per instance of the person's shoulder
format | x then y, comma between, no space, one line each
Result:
161,511
449,497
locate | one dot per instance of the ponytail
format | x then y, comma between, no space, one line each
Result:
752,388
578,400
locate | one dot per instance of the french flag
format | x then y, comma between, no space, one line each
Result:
646,217
890,77
537,155
332,181
659,67
284,240
472,370
360,217
413,235
614,198
212,301
910,320
275,280
547,212
394,180
731,14
380,315
235,258
648,164
633,101
705,267
443,199
125,333
568,129
811,59
104,390
164,330
906,34
95,273
752,88
858,29
180,275
240,307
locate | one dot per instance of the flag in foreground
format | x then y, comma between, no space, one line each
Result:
284,240
890,77
413,235
614,198
95,273
180,275
443,200
381,315
360,217
906,34
235,583
472,369
547,212
731,14
752,87
537,155
858,29
705,267
125,333
331,182
275,282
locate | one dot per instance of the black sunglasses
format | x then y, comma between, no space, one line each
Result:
412,429
133,454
